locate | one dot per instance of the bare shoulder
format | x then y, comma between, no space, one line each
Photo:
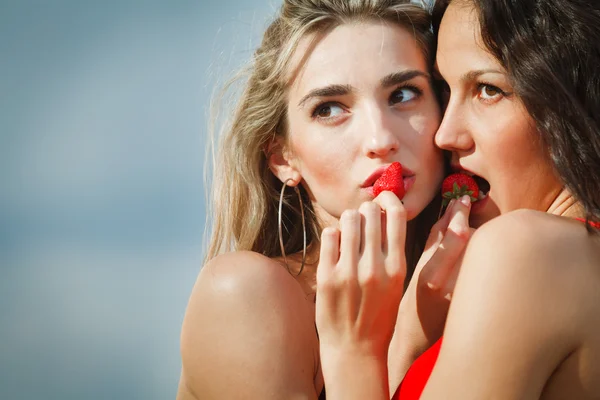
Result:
531,265
527,290
528,224
246,274
248,329
525,236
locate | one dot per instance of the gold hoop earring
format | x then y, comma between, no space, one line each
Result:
279,215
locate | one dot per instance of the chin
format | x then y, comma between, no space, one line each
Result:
417,202
476,221
413,206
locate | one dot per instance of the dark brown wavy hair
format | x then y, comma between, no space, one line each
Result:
551,51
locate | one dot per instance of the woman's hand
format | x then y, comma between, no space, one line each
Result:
437,267
437,270
424,307
360,281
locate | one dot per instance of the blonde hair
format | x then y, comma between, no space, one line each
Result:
245,193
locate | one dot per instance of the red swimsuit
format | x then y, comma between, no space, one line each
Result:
418,374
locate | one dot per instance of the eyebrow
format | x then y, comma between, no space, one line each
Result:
341,90
327,91
472,75
403,76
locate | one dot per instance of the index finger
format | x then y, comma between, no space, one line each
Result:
395,223
441,264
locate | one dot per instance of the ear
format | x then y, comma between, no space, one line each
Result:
281,162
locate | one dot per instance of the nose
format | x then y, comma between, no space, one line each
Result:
453,133
382,139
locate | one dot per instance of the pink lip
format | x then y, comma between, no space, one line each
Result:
479,204
457,168
409,181
370,181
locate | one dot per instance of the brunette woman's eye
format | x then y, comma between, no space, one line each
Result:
487,92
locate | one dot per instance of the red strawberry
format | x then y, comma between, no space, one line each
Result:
390,180
457,185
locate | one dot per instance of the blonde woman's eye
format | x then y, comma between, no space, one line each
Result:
404,94
327,110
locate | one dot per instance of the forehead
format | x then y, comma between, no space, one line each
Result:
354,54
460,46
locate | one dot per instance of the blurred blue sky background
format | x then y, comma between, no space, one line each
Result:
102,125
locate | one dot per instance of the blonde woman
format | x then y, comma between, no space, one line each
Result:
338,90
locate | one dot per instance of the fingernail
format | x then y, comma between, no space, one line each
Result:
451,203
466,200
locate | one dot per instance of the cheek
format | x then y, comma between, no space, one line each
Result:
515,163
320,162
515,146
426,151
426,123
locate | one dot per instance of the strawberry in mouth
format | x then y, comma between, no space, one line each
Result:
391,180
458,185
463,183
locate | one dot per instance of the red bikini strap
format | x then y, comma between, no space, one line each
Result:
594,224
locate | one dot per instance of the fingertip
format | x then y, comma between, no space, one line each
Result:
330,232
369,208
387,199
466,200
350,216
330,241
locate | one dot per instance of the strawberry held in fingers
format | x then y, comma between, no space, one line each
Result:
457,185
391,180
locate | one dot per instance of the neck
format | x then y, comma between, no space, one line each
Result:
565,205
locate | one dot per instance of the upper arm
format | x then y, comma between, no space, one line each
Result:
248,333
509,325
